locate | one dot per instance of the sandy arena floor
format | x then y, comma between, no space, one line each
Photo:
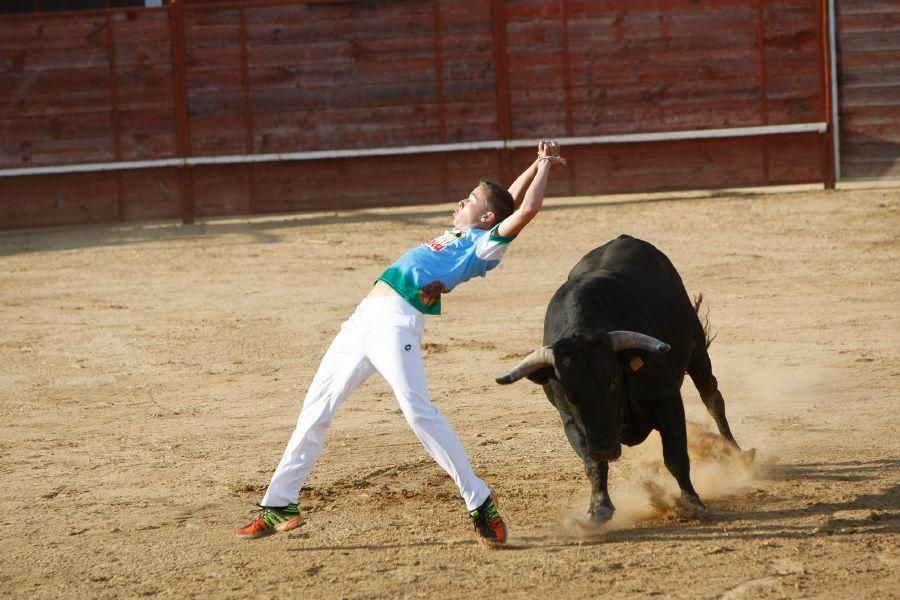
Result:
152,374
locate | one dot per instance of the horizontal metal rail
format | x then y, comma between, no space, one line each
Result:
627,138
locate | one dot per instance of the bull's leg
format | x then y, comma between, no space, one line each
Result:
673,432
601,507
700,370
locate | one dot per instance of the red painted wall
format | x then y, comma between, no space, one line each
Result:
254,78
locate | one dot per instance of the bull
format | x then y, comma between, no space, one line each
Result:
606,369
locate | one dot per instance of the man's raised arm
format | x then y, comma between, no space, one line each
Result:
528,202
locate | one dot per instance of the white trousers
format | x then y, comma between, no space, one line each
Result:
384,335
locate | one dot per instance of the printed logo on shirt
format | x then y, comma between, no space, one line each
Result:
439,243
407,347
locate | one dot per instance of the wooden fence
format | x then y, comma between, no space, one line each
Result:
868,45
204,109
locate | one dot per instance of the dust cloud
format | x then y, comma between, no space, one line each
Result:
642,489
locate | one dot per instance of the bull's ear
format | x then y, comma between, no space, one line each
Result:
633,360
542,376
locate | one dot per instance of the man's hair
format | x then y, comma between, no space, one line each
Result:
499,200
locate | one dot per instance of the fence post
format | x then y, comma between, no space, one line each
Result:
501,80
763,91
826,91
182,126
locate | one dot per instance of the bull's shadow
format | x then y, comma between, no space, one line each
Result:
874,513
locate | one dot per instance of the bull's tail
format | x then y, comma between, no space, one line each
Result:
704,320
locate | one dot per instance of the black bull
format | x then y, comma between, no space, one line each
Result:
606,370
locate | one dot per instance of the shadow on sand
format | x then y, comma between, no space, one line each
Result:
869,514
265,229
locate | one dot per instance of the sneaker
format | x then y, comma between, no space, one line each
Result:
489,525
272,520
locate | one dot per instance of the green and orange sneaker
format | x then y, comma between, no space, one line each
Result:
272,520
489,525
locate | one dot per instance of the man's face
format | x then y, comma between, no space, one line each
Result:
473,211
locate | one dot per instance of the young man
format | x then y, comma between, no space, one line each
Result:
384,334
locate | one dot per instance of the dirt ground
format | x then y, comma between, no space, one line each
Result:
151,376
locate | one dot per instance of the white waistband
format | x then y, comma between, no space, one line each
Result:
398,301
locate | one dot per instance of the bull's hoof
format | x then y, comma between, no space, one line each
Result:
688,507
599,515
748,456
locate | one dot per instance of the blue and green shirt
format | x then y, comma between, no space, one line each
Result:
437,266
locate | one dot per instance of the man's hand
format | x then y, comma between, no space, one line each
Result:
548,150
537,175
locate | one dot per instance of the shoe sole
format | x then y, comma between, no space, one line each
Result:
286,526
294,523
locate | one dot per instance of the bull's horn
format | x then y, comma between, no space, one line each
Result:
542,357
632,340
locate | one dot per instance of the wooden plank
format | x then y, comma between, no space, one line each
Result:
592,7
145,87
668,91
212,58
360,75
147,134
866,116
203,103
142,53
878,75
805,85
873,151
219,36
872,22
80,102
35,153
147,27
217,134
688,164
53,30
795,159
885,95
264,100
615,71
150,194
55,127
797,61
865,7
853,61
593,36
795,110
221,190
871,169
55,82
535,70
52,200
887,134
275,31
220,79
637,118
712,17
539,35
337,52
380,181
471,121
275,132
34,59
879,41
